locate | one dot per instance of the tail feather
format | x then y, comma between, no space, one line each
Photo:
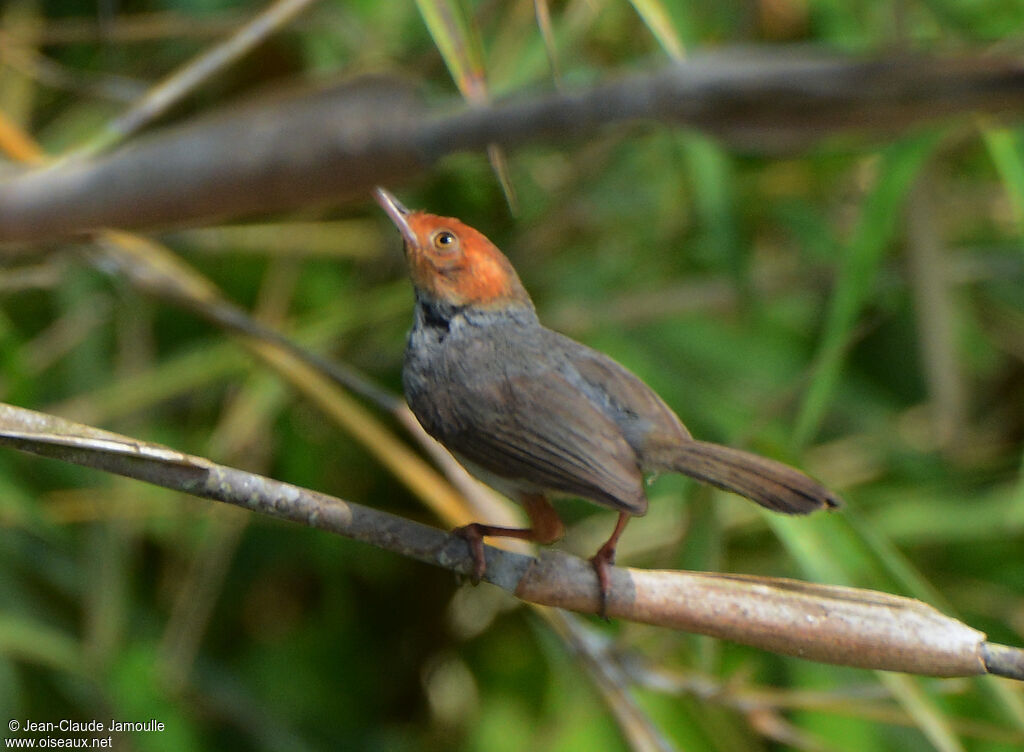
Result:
771,484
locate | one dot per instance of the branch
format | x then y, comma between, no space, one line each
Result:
313,147
840,625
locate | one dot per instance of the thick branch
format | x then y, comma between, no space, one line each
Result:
831,624
293,151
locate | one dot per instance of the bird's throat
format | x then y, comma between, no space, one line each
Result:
442,316
434,314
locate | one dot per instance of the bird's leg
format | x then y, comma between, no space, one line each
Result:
545,527
603,561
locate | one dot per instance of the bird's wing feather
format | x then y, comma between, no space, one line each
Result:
542,432
638,411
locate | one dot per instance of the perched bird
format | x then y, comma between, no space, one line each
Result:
531,412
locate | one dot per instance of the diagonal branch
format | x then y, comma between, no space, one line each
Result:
838,625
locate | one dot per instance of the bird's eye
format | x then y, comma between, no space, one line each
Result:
444,240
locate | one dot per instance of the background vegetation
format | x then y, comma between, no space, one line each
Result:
856,308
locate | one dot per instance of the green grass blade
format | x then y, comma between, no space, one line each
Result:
458,44
656,17
26,639
899,166
1003,147
458,41
543,13
928,716
712,173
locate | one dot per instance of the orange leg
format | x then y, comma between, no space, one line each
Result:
604,559
545,527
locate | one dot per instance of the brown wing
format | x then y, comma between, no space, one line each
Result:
539,429
640,413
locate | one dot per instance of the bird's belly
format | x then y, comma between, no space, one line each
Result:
513,488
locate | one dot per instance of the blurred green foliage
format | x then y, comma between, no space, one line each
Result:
856,308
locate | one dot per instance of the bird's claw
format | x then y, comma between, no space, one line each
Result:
475,540
602,562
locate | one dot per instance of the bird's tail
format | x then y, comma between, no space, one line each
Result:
771,484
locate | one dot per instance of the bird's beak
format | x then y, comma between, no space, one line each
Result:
398,213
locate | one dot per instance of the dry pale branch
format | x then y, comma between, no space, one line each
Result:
831,624
312,147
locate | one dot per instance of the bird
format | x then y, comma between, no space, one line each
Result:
535,414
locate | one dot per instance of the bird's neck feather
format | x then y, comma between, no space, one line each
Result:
431,312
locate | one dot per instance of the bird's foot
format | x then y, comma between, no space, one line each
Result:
602,562
473,534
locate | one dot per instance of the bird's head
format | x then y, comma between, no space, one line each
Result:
450,262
